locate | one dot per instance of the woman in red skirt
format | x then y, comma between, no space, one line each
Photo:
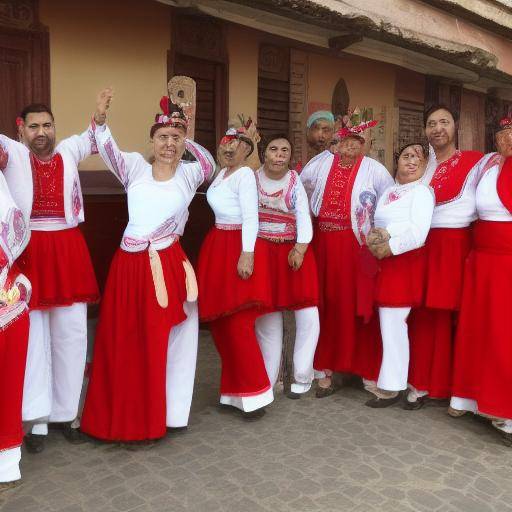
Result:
14,324
233,279
285,231
402,221
482,377
145,350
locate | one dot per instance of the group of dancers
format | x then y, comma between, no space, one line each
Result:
401,278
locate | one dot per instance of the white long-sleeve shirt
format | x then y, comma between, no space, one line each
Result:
284,208
234,201
18,174
488,202
405,212
157,210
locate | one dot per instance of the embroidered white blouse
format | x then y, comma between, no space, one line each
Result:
287,197
488,203
405,212
234,201
18,174
157,210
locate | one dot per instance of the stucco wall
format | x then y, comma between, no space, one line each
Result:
96,44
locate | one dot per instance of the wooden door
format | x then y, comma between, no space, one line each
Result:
24,62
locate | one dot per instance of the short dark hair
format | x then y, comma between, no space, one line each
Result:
435,108
423,146
36,108
269,138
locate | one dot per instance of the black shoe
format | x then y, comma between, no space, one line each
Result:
293,396
254,415
73,435
413,406
381,403
324,392
177,430
506,438
34,443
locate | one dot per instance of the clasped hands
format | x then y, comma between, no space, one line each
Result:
378,243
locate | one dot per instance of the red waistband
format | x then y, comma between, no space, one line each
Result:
494,237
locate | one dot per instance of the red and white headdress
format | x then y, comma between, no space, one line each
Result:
353,124
172,115
506,123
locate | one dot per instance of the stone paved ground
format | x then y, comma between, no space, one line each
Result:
308,455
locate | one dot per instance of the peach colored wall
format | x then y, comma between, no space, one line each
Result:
99,43
243,52
410,86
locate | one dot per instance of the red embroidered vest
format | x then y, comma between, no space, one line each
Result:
450,176
48,179
336,211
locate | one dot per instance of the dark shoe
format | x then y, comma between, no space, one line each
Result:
324,392
254,415
413,406
34,443
506,438
176,430
293,396
6,486
73,435
455,413
381,403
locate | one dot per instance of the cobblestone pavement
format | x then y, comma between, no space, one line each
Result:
305,455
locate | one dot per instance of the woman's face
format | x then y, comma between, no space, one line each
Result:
168,144
277,157
233,154
411,164
504,142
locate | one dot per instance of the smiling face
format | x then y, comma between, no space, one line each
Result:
38,133
168,144
504,142
440,129
411,164
350,149
233,154
277,158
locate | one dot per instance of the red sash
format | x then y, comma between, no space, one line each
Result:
450,176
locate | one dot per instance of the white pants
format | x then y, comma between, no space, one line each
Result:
395,344
10,465
181,367
269,331
467,404
248,403
57,348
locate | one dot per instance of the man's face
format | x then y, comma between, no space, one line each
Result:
350,149
440,129
320,134
277,157
168,144
504,142
38,133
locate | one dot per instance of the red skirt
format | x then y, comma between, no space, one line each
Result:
401,280
126,396
447,250
348,341
58,265
221,290
13,356
291,289
483,349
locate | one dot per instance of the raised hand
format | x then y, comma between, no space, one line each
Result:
102,105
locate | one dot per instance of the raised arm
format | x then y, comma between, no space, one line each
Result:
205,161
119,163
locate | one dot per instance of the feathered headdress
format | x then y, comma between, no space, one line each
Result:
353,124
172,115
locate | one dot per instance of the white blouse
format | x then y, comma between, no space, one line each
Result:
275,197
157,210
405,212
488,203
234,201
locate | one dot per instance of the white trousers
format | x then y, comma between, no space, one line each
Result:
269,331
395,349
467,404
181,367
10,465
57,348
248,403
